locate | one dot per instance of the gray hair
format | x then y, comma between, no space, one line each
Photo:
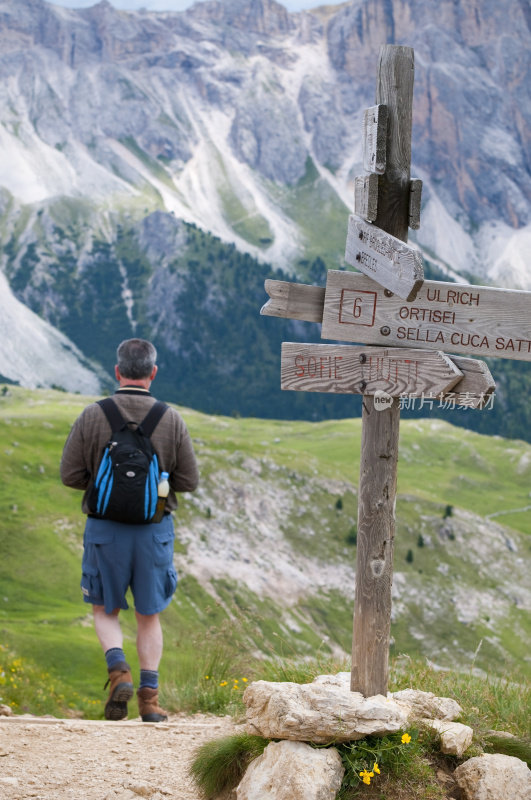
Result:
136,358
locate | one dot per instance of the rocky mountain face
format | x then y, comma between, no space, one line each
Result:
244,120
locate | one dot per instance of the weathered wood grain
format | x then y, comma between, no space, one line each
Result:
375,544
356,369
477,384
366,196
395,90
387,260
375,139
294,301
477,381
456,318
379,445
415,198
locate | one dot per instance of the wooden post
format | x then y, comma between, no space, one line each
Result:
395,90
380,428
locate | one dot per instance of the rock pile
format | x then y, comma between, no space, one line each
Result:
327,711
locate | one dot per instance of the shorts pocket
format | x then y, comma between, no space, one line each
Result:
163,548
95,536
171,582
91,585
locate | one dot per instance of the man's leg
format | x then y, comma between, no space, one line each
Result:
109,633
107,627
149,640
149,643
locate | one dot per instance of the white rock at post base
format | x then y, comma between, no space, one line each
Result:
319,712
426,704
292,771
494,777
455,737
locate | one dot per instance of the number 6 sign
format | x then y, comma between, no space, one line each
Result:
357,307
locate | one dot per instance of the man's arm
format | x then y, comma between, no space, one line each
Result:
185,477
73,468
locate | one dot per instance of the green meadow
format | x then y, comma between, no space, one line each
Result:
222,632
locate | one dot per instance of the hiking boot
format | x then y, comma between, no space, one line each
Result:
148,706
120,692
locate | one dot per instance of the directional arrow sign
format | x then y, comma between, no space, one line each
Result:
355,369
458,318
389,261
294,301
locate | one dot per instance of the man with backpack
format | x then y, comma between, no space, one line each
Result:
116,452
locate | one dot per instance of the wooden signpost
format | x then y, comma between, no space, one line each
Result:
403,324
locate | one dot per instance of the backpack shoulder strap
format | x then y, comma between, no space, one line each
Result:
112,412
152,418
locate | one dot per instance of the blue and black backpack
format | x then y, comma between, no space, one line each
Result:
125,489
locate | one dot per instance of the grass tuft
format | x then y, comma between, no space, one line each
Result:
295,670
508,746
211,680
219,765
25,687
487,701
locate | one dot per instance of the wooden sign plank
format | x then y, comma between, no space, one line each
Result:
366,196
294,301
475,320
375,139
389,261
477,384
356,369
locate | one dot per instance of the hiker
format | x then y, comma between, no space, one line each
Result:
121,551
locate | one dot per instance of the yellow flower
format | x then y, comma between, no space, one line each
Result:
244,679
207,677
406,738
366,776
223,683
376,768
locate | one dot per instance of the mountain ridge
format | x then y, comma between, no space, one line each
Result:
244,120
159,63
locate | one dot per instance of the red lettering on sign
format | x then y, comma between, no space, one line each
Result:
452,296
419,335
427,314
317,366
469,340
357,307
383,368
524,345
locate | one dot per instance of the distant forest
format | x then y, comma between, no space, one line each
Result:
201,307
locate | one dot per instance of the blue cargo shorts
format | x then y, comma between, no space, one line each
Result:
118,556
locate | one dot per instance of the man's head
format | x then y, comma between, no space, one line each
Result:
136,361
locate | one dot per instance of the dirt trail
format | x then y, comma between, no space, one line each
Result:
44,758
